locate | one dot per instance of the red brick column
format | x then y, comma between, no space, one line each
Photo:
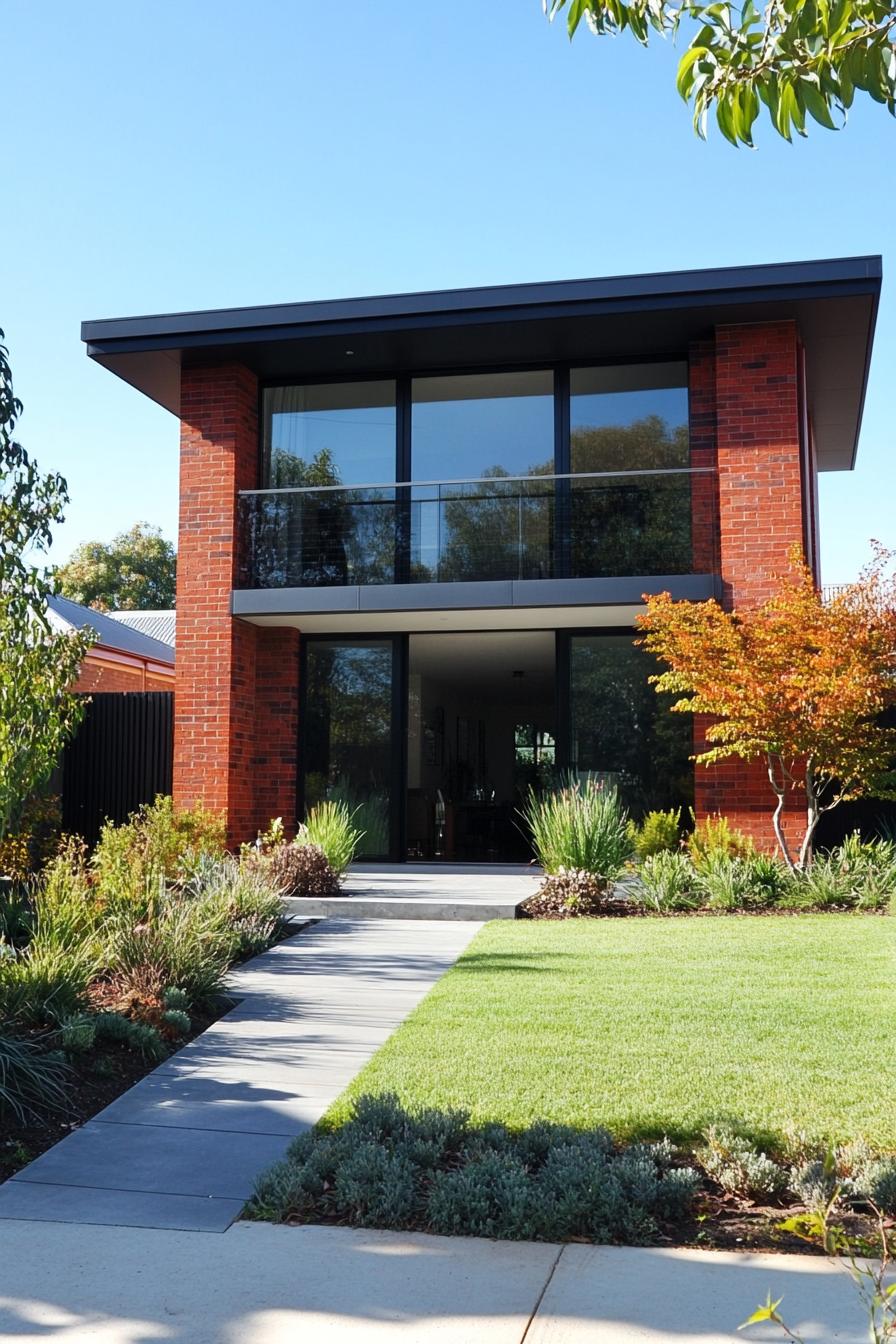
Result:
214,718
276,726
760,516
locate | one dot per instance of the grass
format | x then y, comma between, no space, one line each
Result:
657,1026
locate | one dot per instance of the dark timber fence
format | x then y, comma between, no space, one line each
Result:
120,757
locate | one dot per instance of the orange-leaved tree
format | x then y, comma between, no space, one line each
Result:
796,682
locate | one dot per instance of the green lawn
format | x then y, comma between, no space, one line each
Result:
652,1026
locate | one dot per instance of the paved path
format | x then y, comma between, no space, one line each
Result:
182,1149
260,1284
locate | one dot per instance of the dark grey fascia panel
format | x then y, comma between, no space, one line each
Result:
726,283
275,601
494,596
437,596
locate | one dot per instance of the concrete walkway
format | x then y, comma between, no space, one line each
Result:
260,1284
182,1148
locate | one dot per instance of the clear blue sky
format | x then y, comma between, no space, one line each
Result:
163,156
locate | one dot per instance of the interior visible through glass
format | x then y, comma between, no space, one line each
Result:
481,731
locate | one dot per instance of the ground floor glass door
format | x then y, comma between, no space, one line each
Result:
350,733
434,739
481,732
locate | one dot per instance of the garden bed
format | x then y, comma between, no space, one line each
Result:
96,1079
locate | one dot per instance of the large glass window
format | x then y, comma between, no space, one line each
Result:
631,418
334,440
348,733
622,731
482,428
329,434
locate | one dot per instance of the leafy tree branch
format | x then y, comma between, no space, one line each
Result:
799,60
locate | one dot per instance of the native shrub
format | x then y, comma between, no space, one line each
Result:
714,837
567,893
581,826
657,833
330,826
32,1080
668,882
738,1166
391,1167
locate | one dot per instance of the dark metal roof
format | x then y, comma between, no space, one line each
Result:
616,317
111,633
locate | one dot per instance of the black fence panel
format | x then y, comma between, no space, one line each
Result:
120,757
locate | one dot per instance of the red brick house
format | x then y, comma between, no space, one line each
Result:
125,656
415,531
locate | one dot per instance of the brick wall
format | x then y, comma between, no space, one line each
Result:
745,395
276,726
97,674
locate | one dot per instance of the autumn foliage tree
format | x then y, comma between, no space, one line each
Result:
796,682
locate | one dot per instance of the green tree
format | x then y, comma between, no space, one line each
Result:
798,58
38,712
135,570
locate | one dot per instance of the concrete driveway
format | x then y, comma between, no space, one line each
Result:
259,1284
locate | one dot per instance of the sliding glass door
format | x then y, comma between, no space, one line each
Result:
352,734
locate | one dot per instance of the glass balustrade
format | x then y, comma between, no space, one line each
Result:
588,525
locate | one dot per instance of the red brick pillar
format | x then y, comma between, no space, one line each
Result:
276,726
760,516
214,716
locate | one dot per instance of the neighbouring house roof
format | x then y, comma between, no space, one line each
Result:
111,633
157,624
834,302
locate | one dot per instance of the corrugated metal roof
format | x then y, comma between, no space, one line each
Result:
157,624
111,633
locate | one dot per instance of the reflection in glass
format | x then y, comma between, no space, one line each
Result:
482,427
326,435
348,732
630,418
329,434
622,730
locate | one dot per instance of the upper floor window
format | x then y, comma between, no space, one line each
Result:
482,424
329,434
630,417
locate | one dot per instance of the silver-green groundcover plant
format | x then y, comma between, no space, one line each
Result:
799,59
38,665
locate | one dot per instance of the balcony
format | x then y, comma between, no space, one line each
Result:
596,525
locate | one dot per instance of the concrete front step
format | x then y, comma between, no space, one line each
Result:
398,907
424,891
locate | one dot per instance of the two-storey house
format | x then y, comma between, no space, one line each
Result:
415,532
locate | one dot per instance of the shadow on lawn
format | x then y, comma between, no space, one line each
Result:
511,961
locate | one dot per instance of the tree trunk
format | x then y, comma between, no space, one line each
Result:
813,816
779,789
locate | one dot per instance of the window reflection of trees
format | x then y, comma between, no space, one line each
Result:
327,537
347,733
639,525
622,729
497,528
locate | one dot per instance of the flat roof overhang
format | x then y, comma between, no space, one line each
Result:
508,604
834,303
